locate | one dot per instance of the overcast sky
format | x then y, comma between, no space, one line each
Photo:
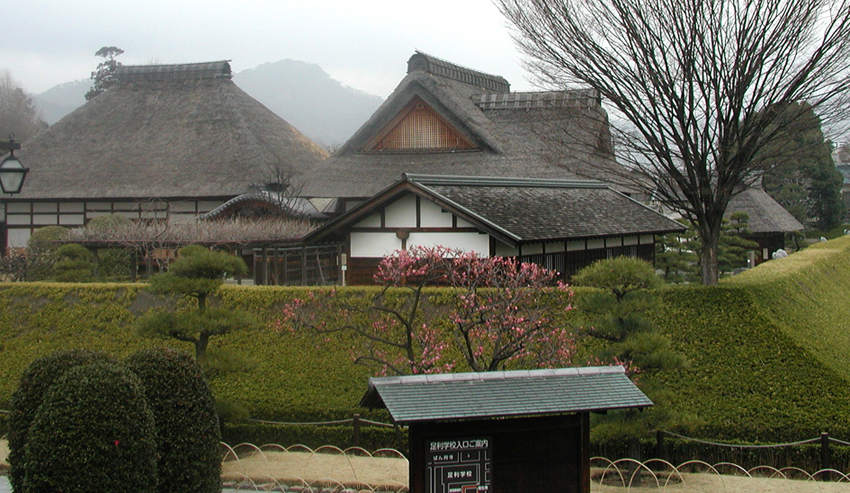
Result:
364,44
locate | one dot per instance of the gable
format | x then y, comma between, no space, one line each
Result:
418,128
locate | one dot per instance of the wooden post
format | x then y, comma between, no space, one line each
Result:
265,266
356,422
825,462
303,266
659,444
634,469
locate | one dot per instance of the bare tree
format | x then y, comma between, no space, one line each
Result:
19,116
693,86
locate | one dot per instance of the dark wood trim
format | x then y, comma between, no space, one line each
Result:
416,230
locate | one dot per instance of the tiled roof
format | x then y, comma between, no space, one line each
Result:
536,210
503,394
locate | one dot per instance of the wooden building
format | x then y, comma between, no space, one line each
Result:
768,221
559,224
444,119
502,431
164,143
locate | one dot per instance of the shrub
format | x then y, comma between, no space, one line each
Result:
94,432
73,264
186,424
34,384
42,247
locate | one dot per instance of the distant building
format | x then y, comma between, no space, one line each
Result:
164,143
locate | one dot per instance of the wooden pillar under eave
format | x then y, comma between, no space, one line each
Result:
303,265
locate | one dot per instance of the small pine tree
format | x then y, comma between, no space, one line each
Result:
36,380
197,274
93,432
186,423
618,313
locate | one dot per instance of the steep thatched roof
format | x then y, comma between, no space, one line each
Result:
517,210
164,131
766,215
552,135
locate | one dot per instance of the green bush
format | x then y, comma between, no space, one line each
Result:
73,264
34,384
41,247
94,432
186,424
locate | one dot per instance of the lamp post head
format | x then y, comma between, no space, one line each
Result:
12,172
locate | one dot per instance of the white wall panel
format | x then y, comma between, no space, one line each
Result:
434,217
18,238
401,213
18,219
18,207
71,219
45,219
373,245
67,207
45,207
373,221
468,242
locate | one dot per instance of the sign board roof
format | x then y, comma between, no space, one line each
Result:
459,396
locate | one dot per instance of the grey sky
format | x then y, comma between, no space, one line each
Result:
361,43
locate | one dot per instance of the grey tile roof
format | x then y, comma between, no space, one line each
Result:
458,396
535,210
521,210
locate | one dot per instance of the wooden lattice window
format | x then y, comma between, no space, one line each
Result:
419,128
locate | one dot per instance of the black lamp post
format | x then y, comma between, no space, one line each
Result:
12,172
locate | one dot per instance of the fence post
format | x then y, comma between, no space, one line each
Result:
356,422
825,461
659,444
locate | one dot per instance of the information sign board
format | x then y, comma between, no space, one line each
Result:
459,466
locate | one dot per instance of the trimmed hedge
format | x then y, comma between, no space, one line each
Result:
33,386
94,432
766,349
187,431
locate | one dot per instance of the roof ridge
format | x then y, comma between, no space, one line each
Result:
177,71
495,375
421,61
485,181
581,98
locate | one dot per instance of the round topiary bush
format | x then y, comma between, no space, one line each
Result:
35,382
187,428
94,432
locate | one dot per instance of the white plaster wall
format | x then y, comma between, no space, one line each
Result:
434,217
373,221
70,207
373,245
17,238
401,213
532,249
468,242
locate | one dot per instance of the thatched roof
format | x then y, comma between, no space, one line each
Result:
517,210
766,215
164,131
552,135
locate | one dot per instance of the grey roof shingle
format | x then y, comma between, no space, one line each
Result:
521,210
418,398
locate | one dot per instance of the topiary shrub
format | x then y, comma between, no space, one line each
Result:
186,423
41,247
73,264
94,432
34,384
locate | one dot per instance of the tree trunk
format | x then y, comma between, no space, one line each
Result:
201,346
710,237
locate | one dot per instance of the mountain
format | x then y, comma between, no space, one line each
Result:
308,98
60,100
301,93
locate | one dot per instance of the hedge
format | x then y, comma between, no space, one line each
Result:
766,348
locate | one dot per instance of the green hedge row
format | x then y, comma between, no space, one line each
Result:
371,437
765,349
